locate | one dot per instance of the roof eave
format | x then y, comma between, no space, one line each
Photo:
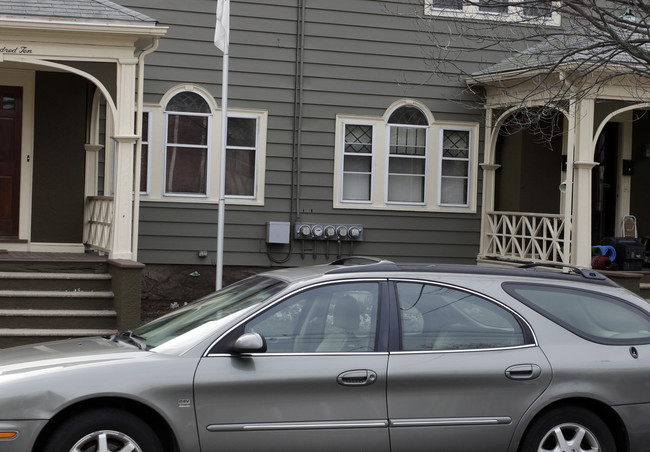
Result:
82,25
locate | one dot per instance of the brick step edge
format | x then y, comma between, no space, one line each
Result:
45,275
57,313
26,332
55,294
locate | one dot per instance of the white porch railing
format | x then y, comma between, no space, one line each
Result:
98,226
525,237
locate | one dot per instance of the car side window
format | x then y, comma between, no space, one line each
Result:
331,318
441,318
592,315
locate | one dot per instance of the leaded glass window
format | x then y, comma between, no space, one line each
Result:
448,4
357,162
455,167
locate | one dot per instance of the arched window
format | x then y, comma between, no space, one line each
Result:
407,155
188,127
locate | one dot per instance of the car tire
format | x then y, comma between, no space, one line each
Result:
104,429
570,428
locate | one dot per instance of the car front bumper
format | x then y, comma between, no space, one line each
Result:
25,437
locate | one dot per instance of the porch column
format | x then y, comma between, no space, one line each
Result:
582,166
489,180
125,140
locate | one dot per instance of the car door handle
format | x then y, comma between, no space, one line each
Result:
523,372
357,378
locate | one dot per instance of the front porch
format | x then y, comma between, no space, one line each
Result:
556,186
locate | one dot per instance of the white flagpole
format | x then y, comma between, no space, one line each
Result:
221,40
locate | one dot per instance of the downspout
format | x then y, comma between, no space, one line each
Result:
294,214
135,229
298,103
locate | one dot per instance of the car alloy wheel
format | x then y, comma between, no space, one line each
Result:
569,437
104,430
568,429
105,440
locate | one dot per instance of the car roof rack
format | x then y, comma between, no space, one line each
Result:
585,272
358,264
375,264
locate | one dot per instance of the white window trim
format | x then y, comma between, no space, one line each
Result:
157,146
340,159
380,169
233,114
472,11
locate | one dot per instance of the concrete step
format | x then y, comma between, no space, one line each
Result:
38,306
53,299
10,337
58,318
55,281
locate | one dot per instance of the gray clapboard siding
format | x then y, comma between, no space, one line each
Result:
360,57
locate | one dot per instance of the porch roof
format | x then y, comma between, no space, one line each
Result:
72,9
561,50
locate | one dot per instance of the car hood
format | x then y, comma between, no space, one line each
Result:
39,358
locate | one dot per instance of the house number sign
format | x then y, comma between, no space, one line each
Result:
19,49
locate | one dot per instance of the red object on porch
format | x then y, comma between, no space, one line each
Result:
601,263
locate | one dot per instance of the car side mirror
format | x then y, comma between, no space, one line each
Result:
249,343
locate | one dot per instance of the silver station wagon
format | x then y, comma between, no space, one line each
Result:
371,356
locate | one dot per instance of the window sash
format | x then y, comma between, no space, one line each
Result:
357,165
187,154
144,152
186,170
242,150
407,164
455,166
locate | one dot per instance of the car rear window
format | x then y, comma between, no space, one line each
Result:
592,315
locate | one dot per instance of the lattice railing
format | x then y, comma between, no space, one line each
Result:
525,237
99,222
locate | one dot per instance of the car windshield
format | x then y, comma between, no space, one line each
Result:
210,309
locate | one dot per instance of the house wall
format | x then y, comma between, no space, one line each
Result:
360,57
59,137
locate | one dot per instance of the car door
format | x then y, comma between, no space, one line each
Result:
463,371
320,386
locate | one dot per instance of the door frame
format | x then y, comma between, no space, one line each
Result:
26,80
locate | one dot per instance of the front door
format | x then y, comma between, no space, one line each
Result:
321,385
10,132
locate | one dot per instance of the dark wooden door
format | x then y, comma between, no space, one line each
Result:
10,133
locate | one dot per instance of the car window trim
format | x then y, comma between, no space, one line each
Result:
381,339
395,346
506,286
